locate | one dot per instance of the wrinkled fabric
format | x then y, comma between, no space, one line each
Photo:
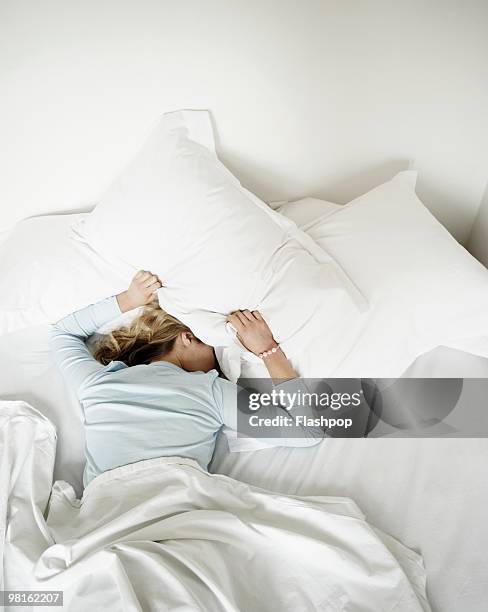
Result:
163,534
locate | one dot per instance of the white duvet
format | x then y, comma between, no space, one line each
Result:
166,535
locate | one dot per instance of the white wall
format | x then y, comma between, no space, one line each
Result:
317,97
478,241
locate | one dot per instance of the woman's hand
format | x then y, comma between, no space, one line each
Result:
252,331
255,335
141,291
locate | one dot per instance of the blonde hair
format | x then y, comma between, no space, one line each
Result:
152,334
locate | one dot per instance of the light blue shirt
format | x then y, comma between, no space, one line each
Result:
145,411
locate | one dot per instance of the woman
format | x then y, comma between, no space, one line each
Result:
153,389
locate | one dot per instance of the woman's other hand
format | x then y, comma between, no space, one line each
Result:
141,291
255,335
252,331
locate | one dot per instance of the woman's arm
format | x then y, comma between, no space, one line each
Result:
69,334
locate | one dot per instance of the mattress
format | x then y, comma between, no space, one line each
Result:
432,494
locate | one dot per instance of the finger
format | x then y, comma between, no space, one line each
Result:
154,288
257,315
242,317
150,285
232,319
235,322
150,281
248,315
144,275
138,274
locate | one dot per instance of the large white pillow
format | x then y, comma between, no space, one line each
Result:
176,210
424,289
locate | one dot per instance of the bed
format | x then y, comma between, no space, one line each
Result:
431,494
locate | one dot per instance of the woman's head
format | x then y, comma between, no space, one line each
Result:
153,336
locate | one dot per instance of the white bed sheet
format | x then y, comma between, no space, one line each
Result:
164,534
431,494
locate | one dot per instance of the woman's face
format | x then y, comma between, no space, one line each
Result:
197,356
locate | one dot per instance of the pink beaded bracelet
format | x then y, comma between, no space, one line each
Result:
268,353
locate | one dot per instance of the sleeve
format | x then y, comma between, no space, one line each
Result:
296,434
68,337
